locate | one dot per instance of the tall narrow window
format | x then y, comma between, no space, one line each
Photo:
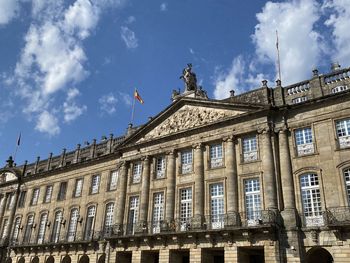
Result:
35,196
95,184
48,194
311,198
158,211
73,222
133,214
136,172
113,180
90,219
62,192
250,149
22,199
16,227
252,201
216,159
160,167
42,228
11,201
185,208
56,229
347,183
303,140
343,132
78,187
29,229
109,218
217,205
186,161
4,228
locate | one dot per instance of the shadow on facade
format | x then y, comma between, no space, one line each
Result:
124,257
180,256
150,256
213,256
318,255
251,255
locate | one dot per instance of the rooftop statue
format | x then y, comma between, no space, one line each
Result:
189,78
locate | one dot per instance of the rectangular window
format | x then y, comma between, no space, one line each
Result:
55,237
158,211
11,201
4,228
216,159
35,196
339,89
217,205
304,141
343,132
186,162
29,229
22,199
109,218
42,228
160,167
311,198
250,149
185,208
133,214
299,99
78,187
48,194
16,227
252,201
62,192
136,172
113,180
95,184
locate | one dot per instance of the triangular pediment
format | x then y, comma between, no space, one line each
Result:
186,115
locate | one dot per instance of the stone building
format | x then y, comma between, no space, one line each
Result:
263,176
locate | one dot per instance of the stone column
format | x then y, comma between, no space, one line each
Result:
121,198
198,186
232,180
2,206
270,191
144,192
170,186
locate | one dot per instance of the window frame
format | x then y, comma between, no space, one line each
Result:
110,180
35,196
160,173
47,200
136,172
221,160
217,204
186,165
61,195
306,148
75,195
185,208
249,155
343,141
95,189
253,199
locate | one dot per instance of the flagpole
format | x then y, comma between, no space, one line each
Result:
133,108
278,57
17,145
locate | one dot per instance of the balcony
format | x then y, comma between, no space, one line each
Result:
331,217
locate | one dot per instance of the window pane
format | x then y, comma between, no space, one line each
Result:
136,175
216,159
185,207
252,200
158,211
160,167
48,194
217,205
250,148
95,184
35,196
78,187
113,180
73,224
186,161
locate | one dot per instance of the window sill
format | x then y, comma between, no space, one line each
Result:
216,168
250,162
306,155
338,149
159,178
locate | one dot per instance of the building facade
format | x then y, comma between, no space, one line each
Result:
263,176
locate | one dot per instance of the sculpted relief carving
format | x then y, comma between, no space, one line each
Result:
186,118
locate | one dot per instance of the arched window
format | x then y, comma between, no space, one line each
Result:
16,227
50,259
90,219
311,199
55,237
35,259
347,183
66,259
42,228
29,229
21,260
108,218
73,221
84,259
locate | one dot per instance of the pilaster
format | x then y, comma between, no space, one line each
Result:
145,190
121,196
199,186
171,182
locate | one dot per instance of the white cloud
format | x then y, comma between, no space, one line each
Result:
130,20
126,98
70,108
129,37
47,123
108,103
163,7
191,51
339,22
8,10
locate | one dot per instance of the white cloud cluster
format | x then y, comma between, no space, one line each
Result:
8,10
301,43
108,103
163,7
129,37
53,59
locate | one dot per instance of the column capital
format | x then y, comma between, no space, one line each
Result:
265,129
171,152
282,129
230,138
122,163
145,158
197,146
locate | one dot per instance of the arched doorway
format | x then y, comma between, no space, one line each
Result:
84,259
102,259
318,255
35,259
21,260
50,259
66,259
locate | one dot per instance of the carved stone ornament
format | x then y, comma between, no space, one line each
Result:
188,117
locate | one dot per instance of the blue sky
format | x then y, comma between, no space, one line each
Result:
68,68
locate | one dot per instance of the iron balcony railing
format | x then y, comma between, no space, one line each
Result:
333,216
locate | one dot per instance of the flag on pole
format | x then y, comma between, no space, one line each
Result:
19,139
138,97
